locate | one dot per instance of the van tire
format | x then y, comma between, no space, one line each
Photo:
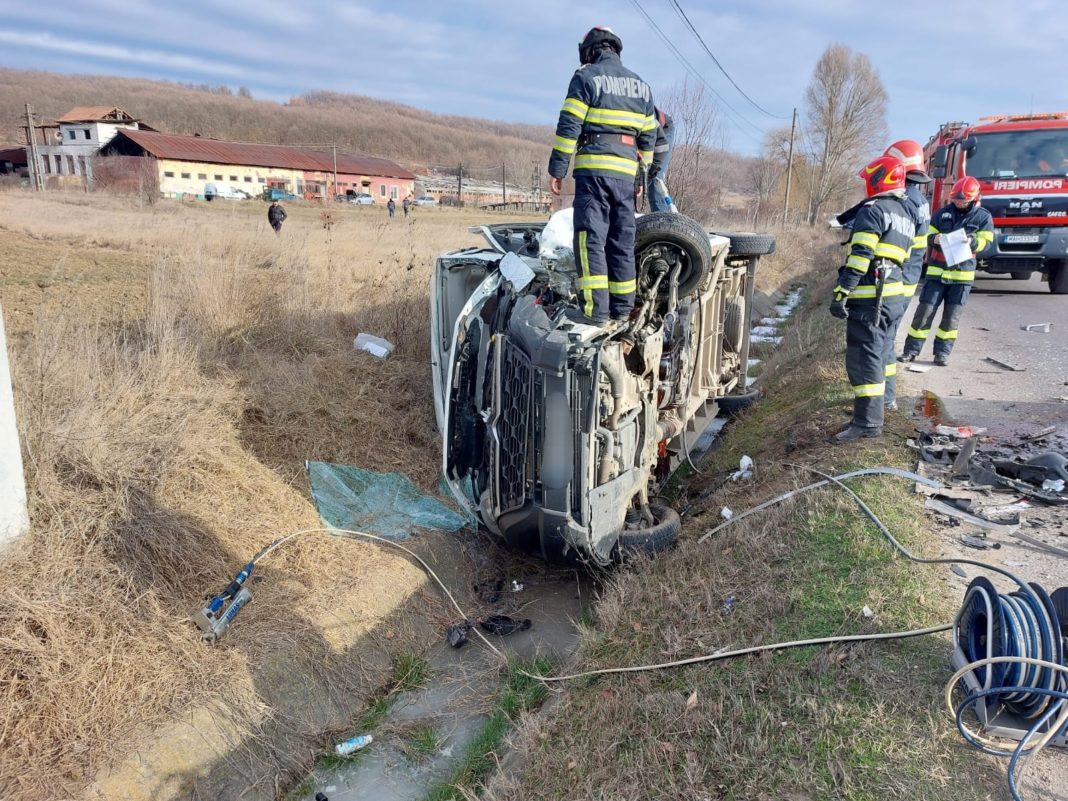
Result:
653,539
683,233
749,244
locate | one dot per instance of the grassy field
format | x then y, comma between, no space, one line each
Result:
861,722
174,365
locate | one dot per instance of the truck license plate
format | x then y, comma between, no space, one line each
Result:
1021,239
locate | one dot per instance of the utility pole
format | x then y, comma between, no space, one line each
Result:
460,185
504,190
789,168
335,168
35,158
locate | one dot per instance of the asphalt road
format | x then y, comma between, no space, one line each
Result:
976,391
1009,403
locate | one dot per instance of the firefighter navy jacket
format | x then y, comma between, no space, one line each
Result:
607,121
883,231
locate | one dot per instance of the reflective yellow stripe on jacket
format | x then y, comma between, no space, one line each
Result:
589,161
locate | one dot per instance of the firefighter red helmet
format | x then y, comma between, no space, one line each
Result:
594,40
910,153
967,188
883,175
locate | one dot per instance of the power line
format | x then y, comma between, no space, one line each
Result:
693,30
689,67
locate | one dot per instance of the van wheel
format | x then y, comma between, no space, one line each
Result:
653,539
730,405
749,244
684,236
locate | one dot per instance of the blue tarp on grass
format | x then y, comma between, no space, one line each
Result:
387,504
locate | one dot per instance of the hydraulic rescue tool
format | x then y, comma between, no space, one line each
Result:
215,618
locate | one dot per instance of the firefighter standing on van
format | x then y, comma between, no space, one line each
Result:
949,285
608,122
870,294
911,155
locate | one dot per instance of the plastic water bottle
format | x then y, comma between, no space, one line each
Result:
353,744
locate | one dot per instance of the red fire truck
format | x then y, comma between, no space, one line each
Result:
1021,163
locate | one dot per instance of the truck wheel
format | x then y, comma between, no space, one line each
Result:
654,539
734,322
681,233
749,244
1058,278
1021,275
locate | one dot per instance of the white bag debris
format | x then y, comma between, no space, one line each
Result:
745,469
376,346
1055,484
866,611
558,236
726,513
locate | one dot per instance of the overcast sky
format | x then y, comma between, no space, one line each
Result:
500,59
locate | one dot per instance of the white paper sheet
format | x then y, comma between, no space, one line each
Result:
955,246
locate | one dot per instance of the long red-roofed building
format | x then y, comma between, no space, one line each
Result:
188,164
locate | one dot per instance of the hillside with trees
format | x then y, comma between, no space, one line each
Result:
410,136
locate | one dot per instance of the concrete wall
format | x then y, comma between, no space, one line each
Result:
179,178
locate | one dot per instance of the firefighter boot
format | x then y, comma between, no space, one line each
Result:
853,433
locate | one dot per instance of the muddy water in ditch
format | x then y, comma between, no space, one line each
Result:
457,699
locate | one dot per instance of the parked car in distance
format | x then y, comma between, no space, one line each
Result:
225,191
361,199
426,200
274,193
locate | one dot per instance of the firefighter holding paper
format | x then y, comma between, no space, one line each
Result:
948,285
870,292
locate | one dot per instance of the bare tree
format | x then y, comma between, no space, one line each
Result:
845,118
691,172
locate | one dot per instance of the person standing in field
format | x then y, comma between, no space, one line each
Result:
276,215
406,204
607,122
391,207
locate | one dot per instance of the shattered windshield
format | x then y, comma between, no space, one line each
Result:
1020,154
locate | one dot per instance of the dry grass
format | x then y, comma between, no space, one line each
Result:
860,722
163,438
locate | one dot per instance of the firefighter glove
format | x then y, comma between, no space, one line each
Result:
838,307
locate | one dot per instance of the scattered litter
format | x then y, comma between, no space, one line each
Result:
1006,473
866,611
964,458
353,744
979,543
446,751
517,272
1042,328
726,513
488,590
942,507
516,586
1056,485
376,346
745,470
728,604
1040,434
958,570
1004,366
1043,545
963,432
502,625
919,368
1010,563
1051,462
768,340
456,636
